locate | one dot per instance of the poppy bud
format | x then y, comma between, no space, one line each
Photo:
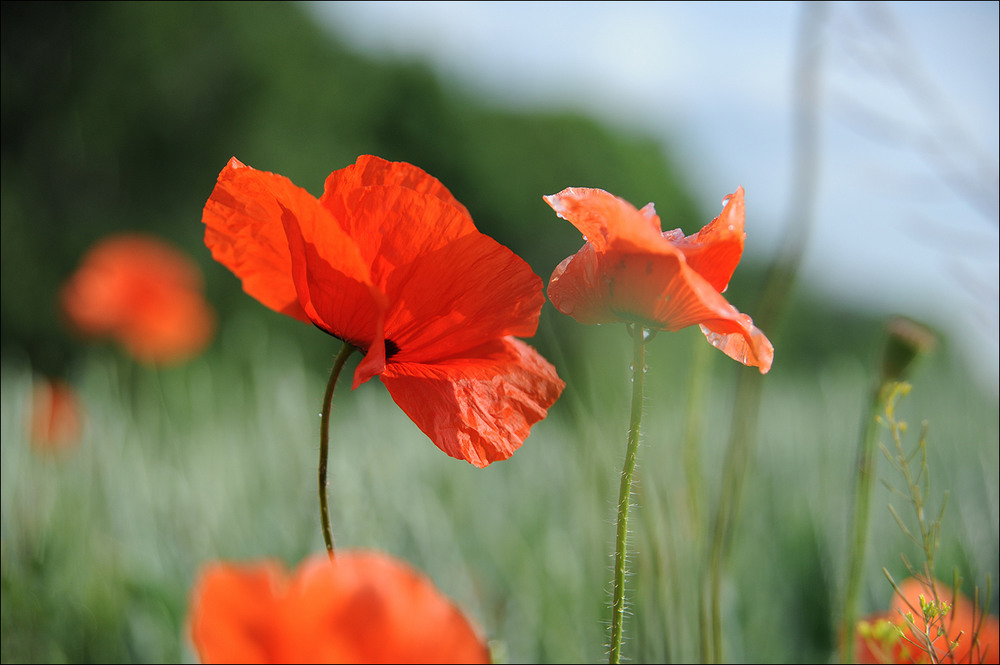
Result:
906,340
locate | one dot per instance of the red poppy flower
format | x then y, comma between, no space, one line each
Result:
628,270
388,261
144,294
878,642
56,417
362,607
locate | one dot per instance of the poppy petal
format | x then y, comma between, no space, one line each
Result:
577,288
460,296
741,340
243,229
144,294
371,171
390,262
361,607
977,636
477,408
658,291
340,300
375,609
629,271
232,613
960,624
607,221
715,251
168,327
450,287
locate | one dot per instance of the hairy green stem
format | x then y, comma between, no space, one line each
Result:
625,491
324,443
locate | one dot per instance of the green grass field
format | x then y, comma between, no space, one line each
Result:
217,459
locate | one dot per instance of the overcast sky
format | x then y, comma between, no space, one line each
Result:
907,209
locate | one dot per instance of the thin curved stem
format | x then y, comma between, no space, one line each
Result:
324,443
625,492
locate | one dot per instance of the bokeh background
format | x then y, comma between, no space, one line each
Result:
867,136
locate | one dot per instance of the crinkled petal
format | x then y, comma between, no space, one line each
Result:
607,221
449,287
243,229
371,171
283,243
334,285
478,408
460,296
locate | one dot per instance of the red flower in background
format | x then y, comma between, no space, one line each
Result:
56,416
388,261
142,293
362,607
977,642
628,270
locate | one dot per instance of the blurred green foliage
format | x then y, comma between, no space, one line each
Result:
119,116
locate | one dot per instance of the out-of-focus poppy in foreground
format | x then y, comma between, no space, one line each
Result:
629,270
966,636
361,607
142,293
55,416
388,261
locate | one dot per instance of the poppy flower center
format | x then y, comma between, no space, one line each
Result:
391,348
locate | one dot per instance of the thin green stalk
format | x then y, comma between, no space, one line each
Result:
859,527
738,455
324,443
625,491
693,432
693,472
775,295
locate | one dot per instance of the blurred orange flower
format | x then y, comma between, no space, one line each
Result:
628,270
978,638
362,607
142,293
56,416
388,261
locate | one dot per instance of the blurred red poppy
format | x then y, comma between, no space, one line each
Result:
388,261
145,295
977,637
56,416
362,607
628,270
